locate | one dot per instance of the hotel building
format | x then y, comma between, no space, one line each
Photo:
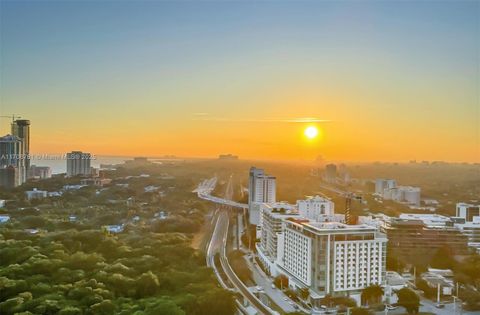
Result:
331,258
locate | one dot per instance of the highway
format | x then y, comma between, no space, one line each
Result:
206,187
218,244
215,246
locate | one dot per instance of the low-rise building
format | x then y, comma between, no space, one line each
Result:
382,184
472,231
95,181
315,208
438,278
404,194
36,194
467,211
114,229
413,238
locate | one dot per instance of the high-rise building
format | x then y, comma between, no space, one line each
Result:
330,173
261,189
265,189
21,129
40,172
78,163
272,226
332,258
9,177
12,161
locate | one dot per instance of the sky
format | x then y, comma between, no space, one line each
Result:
381,80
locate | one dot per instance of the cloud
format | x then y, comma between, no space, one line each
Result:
207,117
201,114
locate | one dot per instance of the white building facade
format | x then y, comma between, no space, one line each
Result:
271,234
404,194
36,194
78,164
315,208
467,211
261,189
382,184
332,258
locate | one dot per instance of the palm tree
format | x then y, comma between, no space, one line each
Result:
372,294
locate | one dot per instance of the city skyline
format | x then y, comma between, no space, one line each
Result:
381,81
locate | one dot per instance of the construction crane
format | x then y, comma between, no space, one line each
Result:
350,219
13,117
348,205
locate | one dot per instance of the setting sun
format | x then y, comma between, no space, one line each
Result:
311,132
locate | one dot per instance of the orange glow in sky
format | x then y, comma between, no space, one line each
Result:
192,79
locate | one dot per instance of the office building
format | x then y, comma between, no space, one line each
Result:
330,173
382,184
261,189
315,208
411,195
467,211
9,177
471,229
12,161
21,129
39,172
403,194
332,258
78,164
414,238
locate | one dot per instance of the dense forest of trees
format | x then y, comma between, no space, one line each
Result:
91,272
52,265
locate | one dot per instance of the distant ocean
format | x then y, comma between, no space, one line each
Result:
60,165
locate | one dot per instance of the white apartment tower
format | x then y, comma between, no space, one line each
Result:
261,189
332,258
78,163
272,224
